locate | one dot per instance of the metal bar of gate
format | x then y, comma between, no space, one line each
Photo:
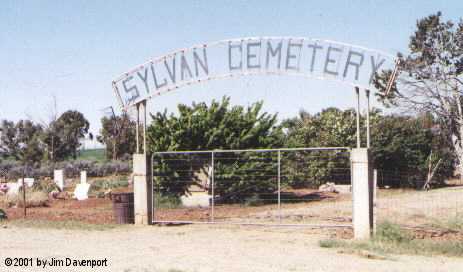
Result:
357,93
255,150
153,195
279,186
212,187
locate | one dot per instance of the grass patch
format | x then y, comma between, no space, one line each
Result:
108,184
92,154
391,239
67,225
453,224
167,201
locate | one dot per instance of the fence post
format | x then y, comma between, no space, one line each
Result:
362,193
142,189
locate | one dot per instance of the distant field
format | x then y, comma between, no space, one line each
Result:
92,154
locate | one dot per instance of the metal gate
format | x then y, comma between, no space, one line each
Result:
289,186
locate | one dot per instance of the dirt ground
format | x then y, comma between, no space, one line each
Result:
202,248
93,210
410,208
227,247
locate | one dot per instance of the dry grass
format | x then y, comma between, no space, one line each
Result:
33,199
66,224
391,239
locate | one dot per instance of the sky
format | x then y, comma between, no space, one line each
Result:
72,50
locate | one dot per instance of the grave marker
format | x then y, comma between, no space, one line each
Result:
58,178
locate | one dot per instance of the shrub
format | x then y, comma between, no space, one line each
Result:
45,185
392,233
34,198
8,200
104,184
3,215
167,201
14,170
253,201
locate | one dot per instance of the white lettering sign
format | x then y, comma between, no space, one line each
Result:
314,58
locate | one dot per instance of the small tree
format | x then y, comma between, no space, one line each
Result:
206,127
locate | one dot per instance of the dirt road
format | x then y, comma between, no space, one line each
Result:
201,248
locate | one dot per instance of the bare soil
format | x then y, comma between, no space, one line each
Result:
204,248
93,210
234,248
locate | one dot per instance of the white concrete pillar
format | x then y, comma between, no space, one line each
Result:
362,193
142,189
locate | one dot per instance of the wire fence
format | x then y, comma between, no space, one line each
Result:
402,199
267,186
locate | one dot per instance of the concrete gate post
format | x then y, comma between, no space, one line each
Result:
142,189
362,193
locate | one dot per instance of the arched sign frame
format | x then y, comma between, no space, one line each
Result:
293,56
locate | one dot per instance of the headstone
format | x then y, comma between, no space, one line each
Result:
81,191
196,200
13,188
29,182
58,178
83,177
343,188
328,187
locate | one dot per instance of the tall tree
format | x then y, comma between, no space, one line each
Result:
71,127
430,79
21,141
118,134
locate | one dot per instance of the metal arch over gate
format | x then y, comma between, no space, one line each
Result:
313,58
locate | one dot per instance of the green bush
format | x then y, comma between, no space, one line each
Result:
167,201
391,233
104,184
254,201
3,215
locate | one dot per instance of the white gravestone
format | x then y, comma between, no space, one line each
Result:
29,182
83,177
81,191
58,178
13,188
